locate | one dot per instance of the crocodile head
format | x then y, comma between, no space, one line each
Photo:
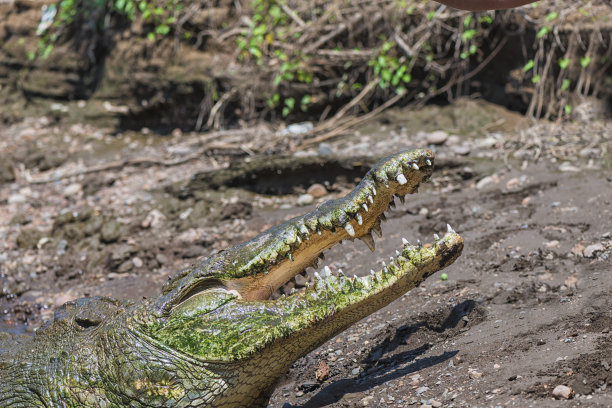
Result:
215,337
219,311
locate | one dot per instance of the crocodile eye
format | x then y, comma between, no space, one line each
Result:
86,323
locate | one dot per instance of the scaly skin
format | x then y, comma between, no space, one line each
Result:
213,338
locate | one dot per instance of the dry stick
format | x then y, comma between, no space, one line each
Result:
542,82
216,109
356,121
364,92
292,14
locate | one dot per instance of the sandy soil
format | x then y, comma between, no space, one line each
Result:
527,307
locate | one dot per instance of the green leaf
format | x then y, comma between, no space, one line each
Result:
464,55
473,49
431,15
407,78
564,63
552,15
290,103
151,37
585,62
47,51
543,31
567,109
256,52
529,65
286,112
162,29
467,20
468,34
535,79
565,84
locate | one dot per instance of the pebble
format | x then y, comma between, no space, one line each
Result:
562,392
154,219
111,231
589,251
421,390
137,262
436,404
325,150
317,190
568,168
578,249
72,189
437,138
125,267
365,401
162,259
475,374
305,199
571,282
16,199
461,150
494,179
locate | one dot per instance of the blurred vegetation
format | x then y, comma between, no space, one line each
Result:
329,57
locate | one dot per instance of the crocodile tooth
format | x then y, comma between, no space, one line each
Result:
373,190
327,271
370,199
419,243
365,207
369,241
291,257
372,272
415,166
391,259
349,228
397,253
386,184
341,273
401,179
319,231
405,242
428,162
384,264
316,274
376,228
450,229
304,230
359,219
436,237
402,199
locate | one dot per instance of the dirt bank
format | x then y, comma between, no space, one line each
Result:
315,60
526,307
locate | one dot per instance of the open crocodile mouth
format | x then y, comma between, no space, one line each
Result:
286,250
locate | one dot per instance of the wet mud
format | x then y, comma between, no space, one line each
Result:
526,307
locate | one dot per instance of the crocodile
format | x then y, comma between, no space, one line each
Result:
217,335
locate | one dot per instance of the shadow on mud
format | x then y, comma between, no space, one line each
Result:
394,366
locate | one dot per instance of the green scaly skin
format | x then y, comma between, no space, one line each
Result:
213,338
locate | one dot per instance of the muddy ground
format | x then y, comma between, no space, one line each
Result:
527,307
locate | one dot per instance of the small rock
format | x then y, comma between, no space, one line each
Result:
16,199
154,219
162,259
591,250
72,189
461,150
437,138
475,374
111,231
125,267
436,404
356,371
578,249
322,372
61,247
571,282
325,150
552,244
365,401
513,183
423,211
494,179
562,392
421,390
137,262
317,190
305,199
568,167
